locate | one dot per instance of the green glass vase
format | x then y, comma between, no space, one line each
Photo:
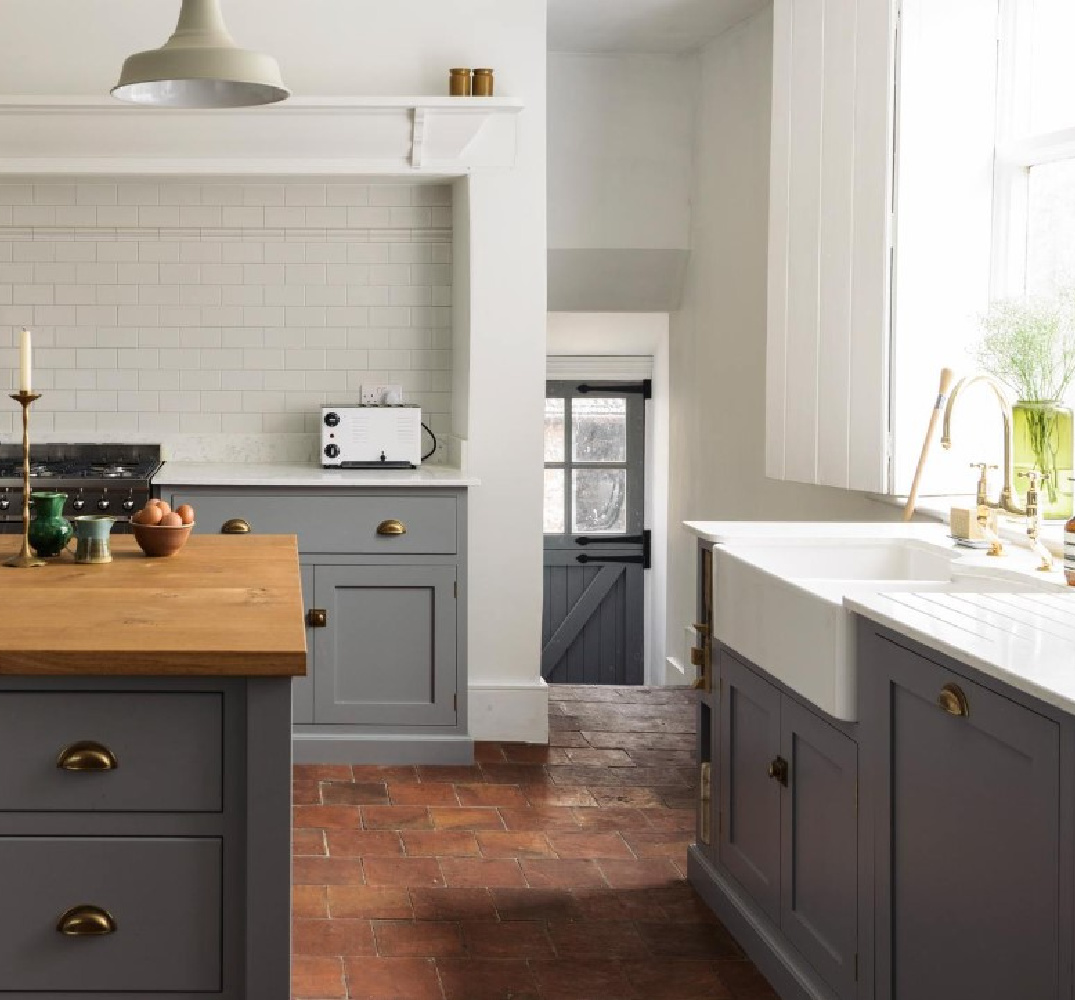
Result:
1042,433
50,531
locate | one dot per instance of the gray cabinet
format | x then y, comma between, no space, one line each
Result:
157,864
387,655
384,575
969,874
788,824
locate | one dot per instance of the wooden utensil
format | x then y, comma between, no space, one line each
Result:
942,399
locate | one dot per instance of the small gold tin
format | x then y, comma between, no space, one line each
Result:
459,83
483,83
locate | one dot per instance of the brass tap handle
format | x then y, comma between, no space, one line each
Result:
982,492
778,770
391,527
235,526
86,921
86,755
953,701
1034,478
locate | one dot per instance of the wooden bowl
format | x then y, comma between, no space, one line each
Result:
154,540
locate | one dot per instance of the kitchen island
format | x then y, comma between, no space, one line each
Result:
145,799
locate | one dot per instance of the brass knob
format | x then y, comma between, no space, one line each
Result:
86,755
391,527
235,526
954,701
86,921
778,770
317,618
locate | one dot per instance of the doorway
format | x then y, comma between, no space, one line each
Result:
597,548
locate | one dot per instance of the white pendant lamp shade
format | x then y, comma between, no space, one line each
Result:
200,66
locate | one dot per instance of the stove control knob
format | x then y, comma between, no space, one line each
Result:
332,420
128,504
103,504
79,503
5,502
332,451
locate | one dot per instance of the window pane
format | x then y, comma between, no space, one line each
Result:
554,430
1051,68
554,501
599,429
1050,263
599,501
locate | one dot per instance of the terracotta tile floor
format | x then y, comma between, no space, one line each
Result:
540,873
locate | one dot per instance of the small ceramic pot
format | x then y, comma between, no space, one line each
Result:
50,531
91,537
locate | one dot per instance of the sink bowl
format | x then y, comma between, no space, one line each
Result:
780,604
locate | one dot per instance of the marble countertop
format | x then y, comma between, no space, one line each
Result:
284,475
1026,640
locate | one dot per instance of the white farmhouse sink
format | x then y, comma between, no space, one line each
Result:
780,603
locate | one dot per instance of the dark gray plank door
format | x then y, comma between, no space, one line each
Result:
819,852
749,844
968,865
388,654
595,546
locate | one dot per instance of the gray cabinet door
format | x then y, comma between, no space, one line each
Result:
819,854
388,654
302,688
749,841
968,852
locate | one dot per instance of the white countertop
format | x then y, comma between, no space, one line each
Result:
1026,640
723,532
282,475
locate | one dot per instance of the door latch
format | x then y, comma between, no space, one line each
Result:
778,771
316,618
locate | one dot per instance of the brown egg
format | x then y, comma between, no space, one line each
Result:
186,512
148,515
161,504
171,520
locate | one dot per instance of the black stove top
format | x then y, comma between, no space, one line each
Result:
85,464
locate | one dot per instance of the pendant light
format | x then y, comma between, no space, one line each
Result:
200,66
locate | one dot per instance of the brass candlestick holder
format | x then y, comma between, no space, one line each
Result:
25,560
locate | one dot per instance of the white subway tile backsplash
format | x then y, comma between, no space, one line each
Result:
223,307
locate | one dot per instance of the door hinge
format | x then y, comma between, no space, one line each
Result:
316,618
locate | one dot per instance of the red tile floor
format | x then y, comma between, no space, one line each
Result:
538,873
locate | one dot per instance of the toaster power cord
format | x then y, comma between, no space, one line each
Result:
429,453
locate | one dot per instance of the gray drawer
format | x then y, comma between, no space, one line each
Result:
346,524
167,749
163,895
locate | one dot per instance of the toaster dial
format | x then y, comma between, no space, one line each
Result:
332,419
332,451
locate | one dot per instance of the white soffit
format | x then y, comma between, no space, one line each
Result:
615,367
642,25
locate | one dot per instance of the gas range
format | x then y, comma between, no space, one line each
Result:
97,478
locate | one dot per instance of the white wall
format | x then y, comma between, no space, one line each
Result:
329,47
620,147
717,420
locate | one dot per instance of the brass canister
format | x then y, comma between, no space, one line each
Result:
459,83
483,83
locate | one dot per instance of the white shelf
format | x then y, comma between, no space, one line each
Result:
436,135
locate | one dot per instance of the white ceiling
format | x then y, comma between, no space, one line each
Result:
642,25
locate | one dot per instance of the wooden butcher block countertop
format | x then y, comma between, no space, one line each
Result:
224,605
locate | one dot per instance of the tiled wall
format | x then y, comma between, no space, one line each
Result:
216,317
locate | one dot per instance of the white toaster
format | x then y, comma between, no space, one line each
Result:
355,436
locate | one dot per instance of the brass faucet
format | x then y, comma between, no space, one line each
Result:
982,507
1006,501
1033,522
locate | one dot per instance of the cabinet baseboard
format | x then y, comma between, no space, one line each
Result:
381,748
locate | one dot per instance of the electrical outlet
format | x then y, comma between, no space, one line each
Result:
376,395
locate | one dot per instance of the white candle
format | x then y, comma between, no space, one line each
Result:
24,359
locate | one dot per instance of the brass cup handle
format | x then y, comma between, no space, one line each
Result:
86,755
235,526
953,701
391,527
86,921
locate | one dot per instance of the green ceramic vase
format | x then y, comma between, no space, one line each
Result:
1042,433
49,529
